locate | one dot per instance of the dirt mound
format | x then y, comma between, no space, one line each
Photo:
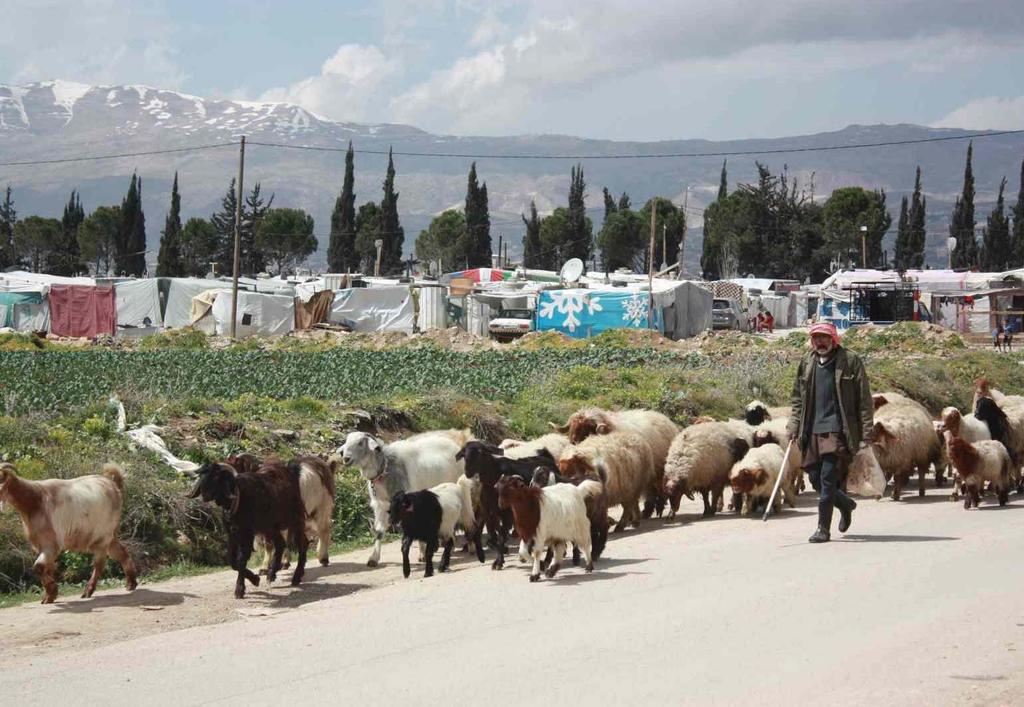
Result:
903,337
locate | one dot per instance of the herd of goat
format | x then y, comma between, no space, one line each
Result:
552,492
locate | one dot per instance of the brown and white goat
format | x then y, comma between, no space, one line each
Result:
81,515
978,463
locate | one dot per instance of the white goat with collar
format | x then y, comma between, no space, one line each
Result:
413,464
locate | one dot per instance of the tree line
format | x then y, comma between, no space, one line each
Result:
775,228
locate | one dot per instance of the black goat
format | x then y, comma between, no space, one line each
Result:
419,514
267,502
993,416
490,463
597,509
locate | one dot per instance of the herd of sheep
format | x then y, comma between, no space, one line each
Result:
553,492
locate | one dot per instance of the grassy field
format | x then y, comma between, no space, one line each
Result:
56,419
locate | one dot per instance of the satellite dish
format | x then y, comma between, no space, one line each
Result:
572,271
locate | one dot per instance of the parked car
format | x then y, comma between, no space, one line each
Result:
728,314
511,324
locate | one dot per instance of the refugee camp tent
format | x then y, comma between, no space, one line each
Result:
371,309
259,314
25,308
480,275
178,294
583,313
138,303
433,312
690,314
314,310
82,310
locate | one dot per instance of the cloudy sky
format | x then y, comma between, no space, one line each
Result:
645,70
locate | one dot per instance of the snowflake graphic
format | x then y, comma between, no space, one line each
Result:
635,310
570,303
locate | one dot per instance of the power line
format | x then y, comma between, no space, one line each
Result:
89,158
664,155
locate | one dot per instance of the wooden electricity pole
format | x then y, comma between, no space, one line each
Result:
238,240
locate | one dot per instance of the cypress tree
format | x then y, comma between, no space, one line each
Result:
254,260
902,238
478,221
64,259
8,216
1018,224
581,237
531,241
917,233
224,224
130,249
995,250
723,184
961,225
610,207
390,227
341,253
170,261
624,204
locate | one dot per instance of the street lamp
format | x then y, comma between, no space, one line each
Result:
864,247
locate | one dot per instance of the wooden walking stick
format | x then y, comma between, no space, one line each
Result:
778,481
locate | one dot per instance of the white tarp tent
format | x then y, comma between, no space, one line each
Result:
180,291
259,314
138,303
371,309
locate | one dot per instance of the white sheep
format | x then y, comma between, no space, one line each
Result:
627,462
553,442
700,459
753,477
980,463
905,440
550,516
413,464
457,508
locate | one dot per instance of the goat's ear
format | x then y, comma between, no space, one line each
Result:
460,455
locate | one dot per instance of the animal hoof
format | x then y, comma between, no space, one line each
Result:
589,568
374,563
428,574
551,572
86,594
239,594
497,565
286,565
324,562
534,577
131,584
271,576
296,581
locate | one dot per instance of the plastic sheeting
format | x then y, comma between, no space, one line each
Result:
314,310
180,291
258,314
82,311
691,312
25,311
138,303
370,309
585,313
433,310
865,477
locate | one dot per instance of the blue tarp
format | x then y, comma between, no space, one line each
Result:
585,313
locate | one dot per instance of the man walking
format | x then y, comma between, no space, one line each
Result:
832,417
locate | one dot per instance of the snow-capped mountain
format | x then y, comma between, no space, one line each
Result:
59,120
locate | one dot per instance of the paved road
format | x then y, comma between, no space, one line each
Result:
923,603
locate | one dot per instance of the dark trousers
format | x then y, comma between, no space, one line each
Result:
825,480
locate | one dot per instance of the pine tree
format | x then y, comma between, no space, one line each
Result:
581,235
961,225
624,204
224,223
531,241
64,257
610,207
130,257
902,238
170,262
1018,225
8,217
995,250
254,260
390,227
917,234
723,184
341,253
478,221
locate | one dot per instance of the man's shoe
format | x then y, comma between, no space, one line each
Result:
846,517
820,536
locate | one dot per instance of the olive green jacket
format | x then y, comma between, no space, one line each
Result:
856,408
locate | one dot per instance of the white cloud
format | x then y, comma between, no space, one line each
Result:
991,113
347,87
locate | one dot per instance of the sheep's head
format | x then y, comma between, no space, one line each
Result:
879,400
982,387
542,476
363,450
756,413
585,423
575,465
951,419
508,486
218,483
763,437
244,463
746,479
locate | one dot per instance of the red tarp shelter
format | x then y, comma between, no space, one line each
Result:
82,310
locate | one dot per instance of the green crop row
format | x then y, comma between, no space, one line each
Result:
58,380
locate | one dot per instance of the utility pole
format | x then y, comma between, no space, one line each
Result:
501,265
238,240
864,247
664,247
379,243
650,268
682,236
